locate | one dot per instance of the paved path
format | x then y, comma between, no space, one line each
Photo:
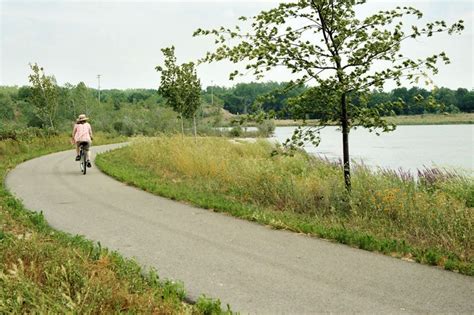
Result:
251,267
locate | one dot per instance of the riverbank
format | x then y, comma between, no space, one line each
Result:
429,222
427,119
43,270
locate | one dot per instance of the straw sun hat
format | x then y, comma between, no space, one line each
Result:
81,118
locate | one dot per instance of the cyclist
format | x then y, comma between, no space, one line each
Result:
82,133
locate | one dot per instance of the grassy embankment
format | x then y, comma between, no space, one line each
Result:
428,119
47,271
430,221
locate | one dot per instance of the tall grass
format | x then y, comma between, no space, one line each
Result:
47,271
433,119
433,218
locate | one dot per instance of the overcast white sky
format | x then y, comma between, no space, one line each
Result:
121,40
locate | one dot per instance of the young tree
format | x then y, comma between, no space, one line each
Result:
180,86
44,95
324,41
77,99
82,98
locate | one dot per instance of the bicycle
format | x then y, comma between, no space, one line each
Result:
83,159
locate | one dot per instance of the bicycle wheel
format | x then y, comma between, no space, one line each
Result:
83,162
80,160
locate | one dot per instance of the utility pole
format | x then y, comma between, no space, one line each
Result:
98,79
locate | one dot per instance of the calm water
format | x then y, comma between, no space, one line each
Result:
408,147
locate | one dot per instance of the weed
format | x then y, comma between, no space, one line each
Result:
209,306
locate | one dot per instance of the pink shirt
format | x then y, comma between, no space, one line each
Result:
82,132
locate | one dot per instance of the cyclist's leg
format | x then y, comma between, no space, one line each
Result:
88,153
77,151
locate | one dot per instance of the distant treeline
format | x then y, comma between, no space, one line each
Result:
242,98
143,111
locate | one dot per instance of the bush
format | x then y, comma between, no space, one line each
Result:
208,306
266,127
236,131
25,134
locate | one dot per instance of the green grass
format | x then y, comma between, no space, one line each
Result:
433,119
430,222
43,270
427,119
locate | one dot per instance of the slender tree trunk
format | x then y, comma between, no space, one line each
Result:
74,109
51,120
182,125
194,123
333,48
345,142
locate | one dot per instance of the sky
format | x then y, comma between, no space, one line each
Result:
121,40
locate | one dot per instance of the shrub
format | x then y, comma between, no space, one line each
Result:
236,131
25,134
266,128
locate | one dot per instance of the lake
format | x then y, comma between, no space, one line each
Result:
408,147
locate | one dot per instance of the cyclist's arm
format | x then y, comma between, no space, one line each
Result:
74,131
90,132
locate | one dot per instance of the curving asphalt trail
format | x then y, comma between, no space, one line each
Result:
251,267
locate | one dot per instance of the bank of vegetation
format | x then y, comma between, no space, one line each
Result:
43,270
433,119
428,220
144,111
425,119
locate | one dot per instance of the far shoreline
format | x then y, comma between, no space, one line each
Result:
405,120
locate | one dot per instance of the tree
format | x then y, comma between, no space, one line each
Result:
180,86
44,95
444,96
82,98
468,102
312,37
7,107
24,93
465,100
